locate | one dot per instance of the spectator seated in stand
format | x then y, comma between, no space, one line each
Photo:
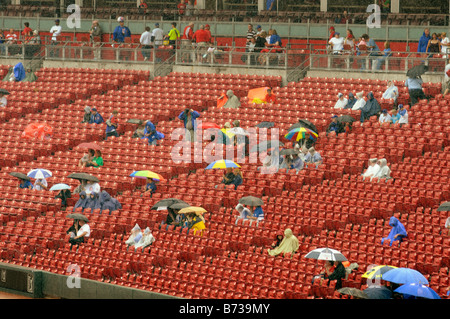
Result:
289,244
391,92
397,233
146,240
372,169
371,108
135,236
385,117
384,171
341,103
81,234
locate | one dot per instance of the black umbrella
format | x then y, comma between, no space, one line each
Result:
303,123
167,202
378,292
417,71
20,175
353,292
289,151
265,125
345,119
3,91
444,207
251,201
135,121
77,216
179,205
264,146
83,176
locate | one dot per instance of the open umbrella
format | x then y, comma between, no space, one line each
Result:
266,145
301,133
58,187
357,293
166,202
257,95
377,272
404,276
147,174
444,207
289,151
192,209
135,121
345,119
326,254
238,131
207,125
179,205
251,201
417,71
78,216
265,124
221,164
39,173
378,292
417,290
83,176
20,176
4,91
92,146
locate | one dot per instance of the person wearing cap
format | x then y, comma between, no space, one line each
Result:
385,117
189,117
112,125
121,31
403,115
158,36
95,31
96,118
341,103
55,32
202,40
337,43
87,115
258,30
334,126
208,31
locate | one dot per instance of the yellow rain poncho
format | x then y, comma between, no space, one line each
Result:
289,244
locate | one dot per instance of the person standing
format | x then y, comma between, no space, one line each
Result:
55,32
173,35
186,42
415,90
146,41
158,36
423,41
250,34
189,117
121,32
337,43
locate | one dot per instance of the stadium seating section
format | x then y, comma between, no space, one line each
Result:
328,206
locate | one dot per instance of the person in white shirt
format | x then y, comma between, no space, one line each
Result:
158,35
391,92
360,102
40,184
3,100
56,32
92,187
337,43
341,102
146,41
447,78
83,231
385,117
445,44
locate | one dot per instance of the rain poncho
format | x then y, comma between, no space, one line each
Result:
19,72
146,239
372,170
397,229
232,102
93,202
81,201
351,101
384,171
371,108
360,102
135,236
289,244
423,43
391,92
243,211
341,103
197,224
38,187
107,202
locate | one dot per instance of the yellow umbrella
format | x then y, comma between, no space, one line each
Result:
192,209
377,272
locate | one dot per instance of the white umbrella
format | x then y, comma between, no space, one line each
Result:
237,131
326,254
39,173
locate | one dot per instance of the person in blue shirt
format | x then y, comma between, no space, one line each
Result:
258,213
121,31
150,187
423,41
270,5
189,116
25,184
386,53
151,134
395,117
96,118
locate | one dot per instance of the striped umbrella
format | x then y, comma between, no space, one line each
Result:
301,133
377,272
326,254
39,173
221,164
146,174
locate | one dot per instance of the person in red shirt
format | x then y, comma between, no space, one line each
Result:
186,41
270,97
181,7
27,31
202,38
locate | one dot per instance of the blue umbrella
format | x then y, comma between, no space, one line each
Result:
39,173
404,276
418,290
58,187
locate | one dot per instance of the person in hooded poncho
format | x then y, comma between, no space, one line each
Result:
146,240
423,41
243,212
288,245
232,102
350,101
384,171
371,108
360,102
81,201
135,236
93,202
341,103
19,73
196,223
397,233
107,202
372,169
